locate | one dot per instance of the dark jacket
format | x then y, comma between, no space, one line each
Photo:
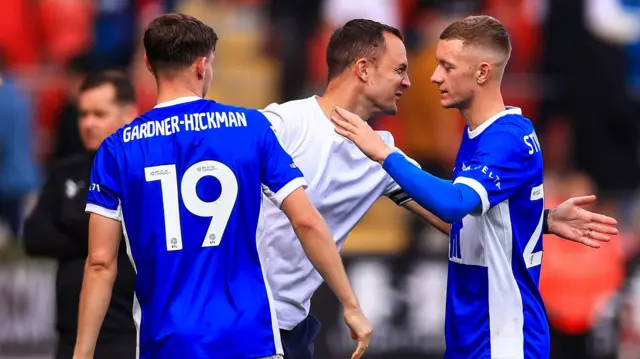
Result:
58,229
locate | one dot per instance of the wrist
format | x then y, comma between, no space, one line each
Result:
382,156
547,220
351,306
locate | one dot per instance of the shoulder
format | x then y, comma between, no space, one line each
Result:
512,135
112,140
250,113
387,137
231,108
115,143
292,106
512,126
291,110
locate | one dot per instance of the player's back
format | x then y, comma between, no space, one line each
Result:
494,307
192,174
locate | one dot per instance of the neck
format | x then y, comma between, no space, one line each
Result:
175,88
483,107
342,94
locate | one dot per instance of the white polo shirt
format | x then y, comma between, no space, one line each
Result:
342,184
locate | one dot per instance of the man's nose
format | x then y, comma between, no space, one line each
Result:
436,78
406,83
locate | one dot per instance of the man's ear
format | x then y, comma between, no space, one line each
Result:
362,68
200,67
484,72
148,64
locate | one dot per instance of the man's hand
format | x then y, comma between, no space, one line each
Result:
360,330
570,221
359,132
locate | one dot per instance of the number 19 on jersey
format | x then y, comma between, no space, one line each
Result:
221,208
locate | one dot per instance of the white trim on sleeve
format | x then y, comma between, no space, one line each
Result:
105,212
480,190
286,190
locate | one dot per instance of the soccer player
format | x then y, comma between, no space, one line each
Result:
184,182
495,202
367,74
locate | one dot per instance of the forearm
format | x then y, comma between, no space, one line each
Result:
431,218
448,201
322,252
95,296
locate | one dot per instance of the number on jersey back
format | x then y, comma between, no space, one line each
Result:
186,180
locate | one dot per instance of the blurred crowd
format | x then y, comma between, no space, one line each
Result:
574,70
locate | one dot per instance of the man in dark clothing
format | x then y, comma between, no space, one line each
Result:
67,141
58,226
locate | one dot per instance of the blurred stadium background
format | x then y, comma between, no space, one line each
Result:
575,71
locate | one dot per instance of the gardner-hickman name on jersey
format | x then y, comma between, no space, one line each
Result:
189,122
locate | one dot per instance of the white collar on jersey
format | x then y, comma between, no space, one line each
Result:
177,101
509,111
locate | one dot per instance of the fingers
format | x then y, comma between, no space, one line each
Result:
599,236
589,242
601,218
602,228
342,123
595,217
583,201
359,352
348,116
345,133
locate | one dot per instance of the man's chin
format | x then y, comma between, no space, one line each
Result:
91,145
448,104
390,111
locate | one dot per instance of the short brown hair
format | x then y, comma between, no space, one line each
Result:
356,39
174,41
479,30
125,93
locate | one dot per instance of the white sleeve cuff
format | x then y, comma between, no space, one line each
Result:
480,190
286,190
105,212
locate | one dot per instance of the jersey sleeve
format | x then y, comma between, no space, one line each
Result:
497,169
104,191
279,174
393,189
272,113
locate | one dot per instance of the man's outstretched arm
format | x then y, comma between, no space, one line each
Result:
568,221
572,222
449,202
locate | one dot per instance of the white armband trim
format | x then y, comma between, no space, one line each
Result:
105,212
287,189
480,190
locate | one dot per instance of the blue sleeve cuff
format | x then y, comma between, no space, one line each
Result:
451,202
392,160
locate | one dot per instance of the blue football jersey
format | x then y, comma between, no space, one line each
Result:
186,179
494,307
